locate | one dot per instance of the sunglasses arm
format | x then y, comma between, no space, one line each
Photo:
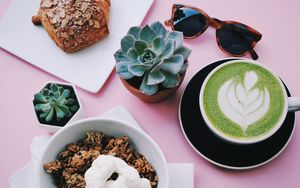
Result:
253,54
168,22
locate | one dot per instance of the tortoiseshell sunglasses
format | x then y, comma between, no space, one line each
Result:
233,38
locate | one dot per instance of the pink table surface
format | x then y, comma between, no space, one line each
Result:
279,49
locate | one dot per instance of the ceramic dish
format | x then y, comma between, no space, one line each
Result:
217,151
88,68
75,131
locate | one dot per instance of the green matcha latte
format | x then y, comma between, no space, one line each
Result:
243,100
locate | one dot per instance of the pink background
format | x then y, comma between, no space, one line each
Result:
279,49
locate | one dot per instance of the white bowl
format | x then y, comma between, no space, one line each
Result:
142,142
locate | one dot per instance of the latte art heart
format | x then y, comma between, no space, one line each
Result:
242,103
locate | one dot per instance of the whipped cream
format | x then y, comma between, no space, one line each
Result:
242,102
105,165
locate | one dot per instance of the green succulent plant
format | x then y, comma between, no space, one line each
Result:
153,53
55,101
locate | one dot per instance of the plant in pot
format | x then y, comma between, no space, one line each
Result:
56,105
152,61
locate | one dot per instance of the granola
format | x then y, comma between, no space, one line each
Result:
72,163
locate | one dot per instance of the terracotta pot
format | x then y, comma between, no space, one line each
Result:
161,95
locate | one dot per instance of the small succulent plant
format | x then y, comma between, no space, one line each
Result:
153,53
55,101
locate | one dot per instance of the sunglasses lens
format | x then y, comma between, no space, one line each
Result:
235,38
189,21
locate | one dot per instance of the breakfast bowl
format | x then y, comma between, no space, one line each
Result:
139,141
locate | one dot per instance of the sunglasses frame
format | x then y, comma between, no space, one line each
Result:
216,23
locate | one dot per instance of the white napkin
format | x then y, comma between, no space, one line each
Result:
181,175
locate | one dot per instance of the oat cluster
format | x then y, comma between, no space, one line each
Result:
71,164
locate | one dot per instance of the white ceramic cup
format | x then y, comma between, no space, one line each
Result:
290,104
72,133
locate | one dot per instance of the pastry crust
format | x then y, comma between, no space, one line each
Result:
74,24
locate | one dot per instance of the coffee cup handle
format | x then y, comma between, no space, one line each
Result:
293,104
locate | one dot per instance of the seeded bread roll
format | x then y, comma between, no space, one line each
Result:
74,24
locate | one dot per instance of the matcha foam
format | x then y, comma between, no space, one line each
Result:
243,100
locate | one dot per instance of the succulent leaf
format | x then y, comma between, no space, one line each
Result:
159,29
54,88
148,89
140,46
149,64
51,94
173,64
147,34
40,98
45,92
122,70
66,93
44,114
74,108
50,115
132,55
184,51
56,95
177,37
171,80
42,107
155,77
61,89
148,57
61,101
137,69
127,42
158,45
134,31
120,56
66,110
59,113
184,68
70,101
169,50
